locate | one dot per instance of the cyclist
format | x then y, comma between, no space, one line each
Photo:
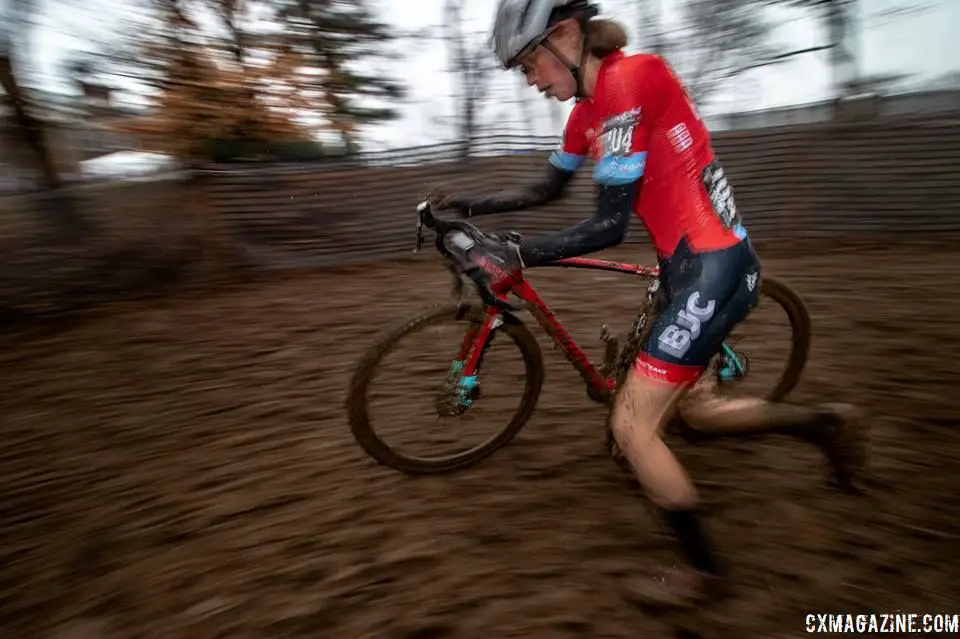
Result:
652,156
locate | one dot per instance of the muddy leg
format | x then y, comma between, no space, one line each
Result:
835,428
641,409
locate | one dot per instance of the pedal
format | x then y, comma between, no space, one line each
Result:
731,365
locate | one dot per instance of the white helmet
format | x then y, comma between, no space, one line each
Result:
522,24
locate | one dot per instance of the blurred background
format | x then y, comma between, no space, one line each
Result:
229,187
222,110
320,80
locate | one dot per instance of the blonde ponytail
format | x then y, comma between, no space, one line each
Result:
604,37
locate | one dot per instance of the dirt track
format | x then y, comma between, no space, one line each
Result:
183,468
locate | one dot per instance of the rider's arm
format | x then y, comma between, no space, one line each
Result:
607,227
546,190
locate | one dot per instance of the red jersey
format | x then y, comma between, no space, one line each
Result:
640,123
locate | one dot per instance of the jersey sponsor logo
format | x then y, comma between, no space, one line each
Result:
680,138
648,367
720,193
751,281
677,338
669,373
627,118
617,142
617,136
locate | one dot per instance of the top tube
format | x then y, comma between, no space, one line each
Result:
606,265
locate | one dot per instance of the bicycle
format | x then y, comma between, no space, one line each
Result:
497,315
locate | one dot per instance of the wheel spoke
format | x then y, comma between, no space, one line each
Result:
456,396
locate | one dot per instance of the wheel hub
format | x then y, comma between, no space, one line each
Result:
456,397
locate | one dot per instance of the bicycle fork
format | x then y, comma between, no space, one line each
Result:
462,384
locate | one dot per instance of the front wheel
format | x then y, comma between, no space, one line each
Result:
452,398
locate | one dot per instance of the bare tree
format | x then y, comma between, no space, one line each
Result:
29,129
57,206
717,40
471,64
837,16
333,37
843,26
720,39
650,25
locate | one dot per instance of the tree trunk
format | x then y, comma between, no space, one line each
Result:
461,66
650,26
56,204
28,128
842,55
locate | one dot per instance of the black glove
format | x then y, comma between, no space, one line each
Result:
442,200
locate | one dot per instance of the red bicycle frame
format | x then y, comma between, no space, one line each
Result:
599,386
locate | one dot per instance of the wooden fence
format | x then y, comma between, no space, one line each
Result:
792,182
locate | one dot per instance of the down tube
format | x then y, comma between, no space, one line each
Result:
548,320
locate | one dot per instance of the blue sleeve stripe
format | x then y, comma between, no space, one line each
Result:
566,161
612,170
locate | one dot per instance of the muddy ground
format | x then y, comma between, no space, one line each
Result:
183,468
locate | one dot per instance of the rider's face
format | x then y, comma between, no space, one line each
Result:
545,71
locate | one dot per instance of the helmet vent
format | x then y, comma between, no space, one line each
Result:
524,15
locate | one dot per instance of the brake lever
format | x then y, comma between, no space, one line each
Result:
486,296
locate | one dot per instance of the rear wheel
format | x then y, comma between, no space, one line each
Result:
734,366
453,396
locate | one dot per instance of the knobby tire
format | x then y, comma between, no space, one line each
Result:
801,334
357,408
